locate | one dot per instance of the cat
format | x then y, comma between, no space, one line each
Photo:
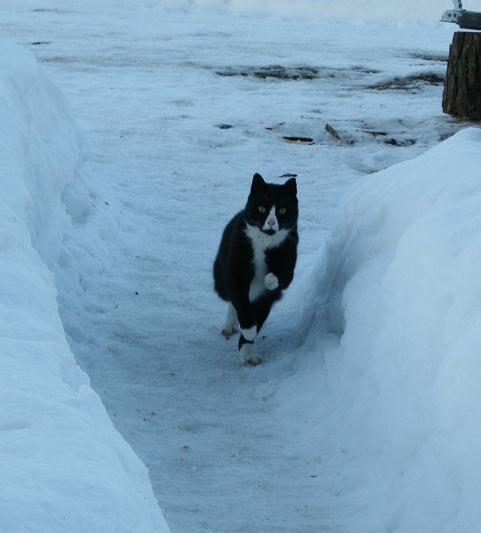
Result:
256,260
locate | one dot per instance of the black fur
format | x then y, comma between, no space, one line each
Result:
234,268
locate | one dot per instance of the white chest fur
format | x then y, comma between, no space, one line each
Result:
261,242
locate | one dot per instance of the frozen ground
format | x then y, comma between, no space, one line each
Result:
150,87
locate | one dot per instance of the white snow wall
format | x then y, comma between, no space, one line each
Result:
64,467
393,399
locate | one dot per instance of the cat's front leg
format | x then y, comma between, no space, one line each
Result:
279,278
246,316
280,266
248,328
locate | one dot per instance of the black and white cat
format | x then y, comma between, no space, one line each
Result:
256,259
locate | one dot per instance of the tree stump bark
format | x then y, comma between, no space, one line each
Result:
462,86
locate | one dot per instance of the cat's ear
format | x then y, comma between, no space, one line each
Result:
258,183
291,186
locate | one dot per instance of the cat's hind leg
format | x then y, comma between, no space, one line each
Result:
231,322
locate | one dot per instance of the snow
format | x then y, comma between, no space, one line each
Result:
322,435
64,466
394,395
407,10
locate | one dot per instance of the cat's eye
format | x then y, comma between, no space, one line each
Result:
262,209
282,211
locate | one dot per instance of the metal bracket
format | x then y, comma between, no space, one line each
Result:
468,20
452,15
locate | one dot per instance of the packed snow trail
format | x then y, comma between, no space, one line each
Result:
149,87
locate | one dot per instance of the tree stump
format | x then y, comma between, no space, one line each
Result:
462,86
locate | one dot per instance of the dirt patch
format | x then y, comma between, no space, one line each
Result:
59,59
48,10
363,70
399,142
298,140
272,71
302,72
426,56
414,82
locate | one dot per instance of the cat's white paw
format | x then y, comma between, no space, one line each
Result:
227,332
247,357
254,360
271,282
249,334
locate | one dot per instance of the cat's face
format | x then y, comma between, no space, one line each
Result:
272,207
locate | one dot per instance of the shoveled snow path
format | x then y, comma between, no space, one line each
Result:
144,322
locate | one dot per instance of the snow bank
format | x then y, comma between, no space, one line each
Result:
64,466
395,394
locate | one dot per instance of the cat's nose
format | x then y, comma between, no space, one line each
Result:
271,222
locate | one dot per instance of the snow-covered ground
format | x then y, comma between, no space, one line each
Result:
272,449
64,466
407,10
